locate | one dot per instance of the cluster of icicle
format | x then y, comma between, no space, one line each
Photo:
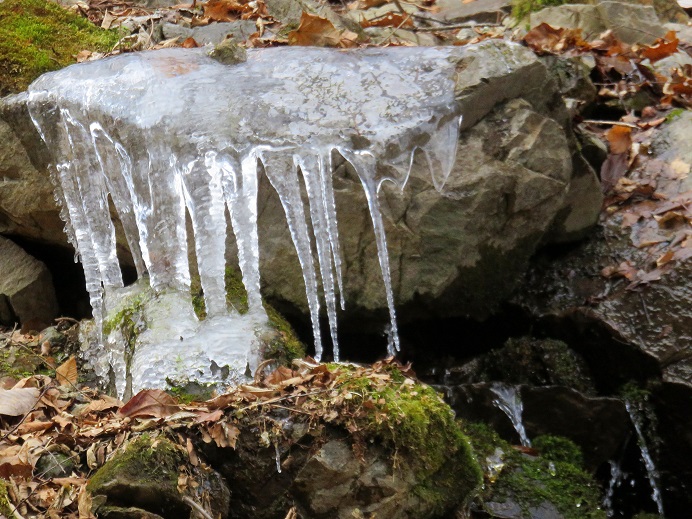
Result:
167,131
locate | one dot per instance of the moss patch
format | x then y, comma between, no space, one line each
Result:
555,477
412,420
522,8
6,507
146,459
37,36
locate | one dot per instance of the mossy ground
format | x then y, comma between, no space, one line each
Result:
6,509
37,36
414,422
555,476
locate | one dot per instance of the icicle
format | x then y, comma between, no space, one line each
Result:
281,172
509,402
326,169
312,167
204,200
116,169
239,181
616,478
365,165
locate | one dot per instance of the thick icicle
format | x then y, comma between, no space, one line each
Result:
205,202
282,173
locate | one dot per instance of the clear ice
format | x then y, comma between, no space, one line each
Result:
172,131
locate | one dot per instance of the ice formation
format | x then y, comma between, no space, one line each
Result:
172,130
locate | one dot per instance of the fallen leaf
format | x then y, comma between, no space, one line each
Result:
18,401
613,169
619,139
318,32
150,402
392,19
662,48
66,373
190,43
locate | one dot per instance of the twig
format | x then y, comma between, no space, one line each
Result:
455,26
70,319
646,310
197,507
612,123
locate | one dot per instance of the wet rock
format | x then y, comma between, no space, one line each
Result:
630,333
572,76
26,288
599,425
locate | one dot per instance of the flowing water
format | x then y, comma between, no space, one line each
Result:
509,402
167,132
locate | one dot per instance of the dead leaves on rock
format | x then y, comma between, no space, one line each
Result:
320,32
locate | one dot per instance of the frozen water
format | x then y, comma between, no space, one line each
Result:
170,131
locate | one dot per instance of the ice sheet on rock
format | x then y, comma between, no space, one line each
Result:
171,131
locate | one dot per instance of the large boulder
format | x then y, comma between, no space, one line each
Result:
26,288
518,181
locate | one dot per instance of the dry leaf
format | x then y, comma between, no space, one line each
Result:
315,31
189,43
18,401
620,139
662,48
66,374
150,402
392,19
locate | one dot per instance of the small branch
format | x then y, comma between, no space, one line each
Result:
197,508
611,123
455,26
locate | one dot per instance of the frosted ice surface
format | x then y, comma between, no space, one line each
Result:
167,131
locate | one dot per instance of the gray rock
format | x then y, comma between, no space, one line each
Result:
211,34
454,11
26,287
630,22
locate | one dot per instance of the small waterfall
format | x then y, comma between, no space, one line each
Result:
509,402
653,476
617,476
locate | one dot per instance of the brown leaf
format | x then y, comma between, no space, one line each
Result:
315,31
222,10
189,43
662,48
66,373
104,403
620,139
18,401
224,434
544,39
612,170
84,504
150,402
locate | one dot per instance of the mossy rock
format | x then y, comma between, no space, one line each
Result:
526,483
37,36
144,476
535,362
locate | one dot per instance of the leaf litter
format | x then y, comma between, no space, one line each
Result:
39,414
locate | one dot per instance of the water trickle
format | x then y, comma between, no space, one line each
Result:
509,402
171,132
617,476
652,474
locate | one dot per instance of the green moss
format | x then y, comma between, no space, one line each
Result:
190,392
6,507
38,36
557,448
413,420
531,481
145,459
674,114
